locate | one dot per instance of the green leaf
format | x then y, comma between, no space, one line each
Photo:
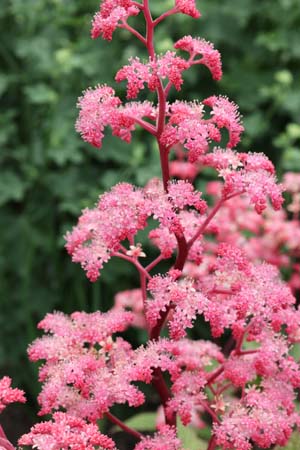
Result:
189,438
41,93
142,422
11,187
293,443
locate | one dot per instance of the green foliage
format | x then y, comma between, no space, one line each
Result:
190,438
48,174
143,421
146,422
293,443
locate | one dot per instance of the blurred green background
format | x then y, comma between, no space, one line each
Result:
48,174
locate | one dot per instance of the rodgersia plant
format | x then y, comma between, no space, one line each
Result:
246,391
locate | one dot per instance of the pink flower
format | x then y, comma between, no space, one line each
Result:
185,301
211,58
165,439
119,215
137,74
131,300
8,394
225,115
188,7
97,107
188,394
250,173
66,433
187,126
86,371
184,170
111,15
263,417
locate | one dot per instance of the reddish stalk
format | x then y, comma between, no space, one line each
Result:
154,263
210,412
212,443
202,228
158,379
165,15
134,32
215,375
124,427
135,262
147,126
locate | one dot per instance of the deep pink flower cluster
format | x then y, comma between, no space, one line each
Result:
8,394
185,301
223,267
66,433
164,438
113,13
120,214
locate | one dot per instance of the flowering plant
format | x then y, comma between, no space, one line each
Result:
245,390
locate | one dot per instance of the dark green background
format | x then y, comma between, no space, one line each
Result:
48,174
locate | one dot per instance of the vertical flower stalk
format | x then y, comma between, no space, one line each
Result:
247,388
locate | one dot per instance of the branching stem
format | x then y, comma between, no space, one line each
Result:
124,427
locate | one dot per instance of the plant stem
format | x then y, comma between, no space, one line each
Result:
202,228
150,30
124,427
158,379
154,263
147,126
139,267
165,15
212,443
134,32
215,374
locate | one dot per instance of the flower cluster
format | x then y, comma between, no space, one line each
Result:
164,438
184,300
8,394
120,214
246,386
64,433
111,15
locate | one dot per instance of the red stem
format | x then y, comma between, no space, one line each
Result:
212,443
215,375
165,15
150,30
247,352
154,263
158,380
139,5
147,126
134,32
164,162
144,289
202,228
210,412
224,388
139,267
124,427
